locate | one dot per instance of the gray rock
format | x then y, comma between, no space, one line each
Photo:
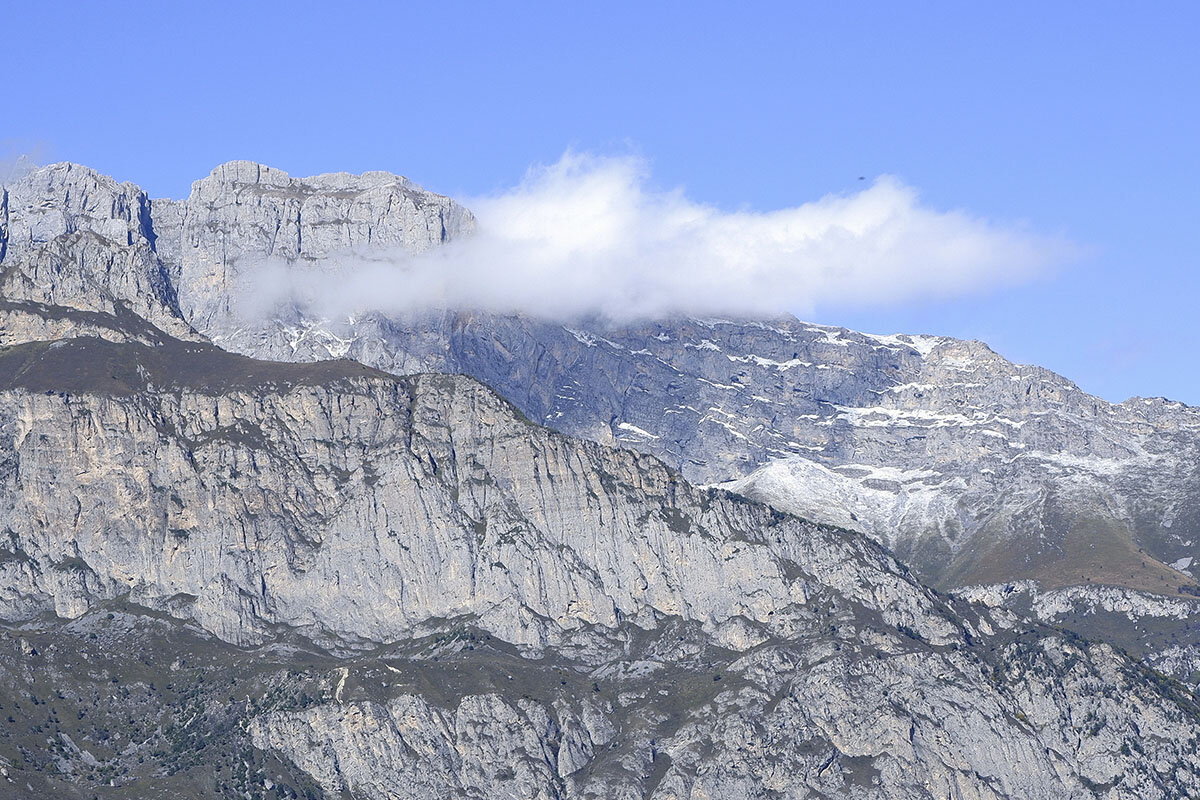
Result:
731,649
244,214
420,591
78,240
971,468
366,506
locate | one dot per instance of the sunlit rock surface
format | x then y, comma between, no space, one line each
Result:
229,577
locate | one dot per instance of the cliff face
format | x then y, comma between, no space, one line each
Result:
971,468
358,506
245,215
73,239
229,577
669,639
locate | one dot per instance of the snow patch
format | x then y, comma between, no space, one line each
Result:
770,363
634,429
803,487
924,345
591,339
1092,464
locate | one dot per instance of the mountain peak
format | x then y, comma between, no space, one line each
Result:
252,173
242,171
60,173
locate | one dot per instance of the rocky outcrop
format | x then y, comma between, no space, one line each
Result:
78,240
1160,631
246,215
132,703
71,237
834,718
47,203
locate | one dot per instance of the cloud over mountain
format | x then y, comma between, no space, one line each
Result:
589,235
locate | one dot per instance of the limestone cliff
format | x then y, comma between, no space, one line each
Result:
240,578
670,641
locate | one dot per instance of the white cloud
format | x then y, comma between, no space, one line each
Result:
588,236
19,157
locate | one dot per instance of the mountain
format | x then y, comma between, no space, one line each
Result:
483,604
971,468
225,576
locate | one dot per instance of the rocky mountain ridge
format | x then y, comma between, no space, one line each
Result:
727,648
228,577
206,458
971,468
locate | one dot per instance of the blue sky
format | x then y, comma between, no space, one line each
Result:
1072,119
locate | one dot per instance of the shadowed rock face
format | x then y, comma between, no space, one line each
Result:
229,577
